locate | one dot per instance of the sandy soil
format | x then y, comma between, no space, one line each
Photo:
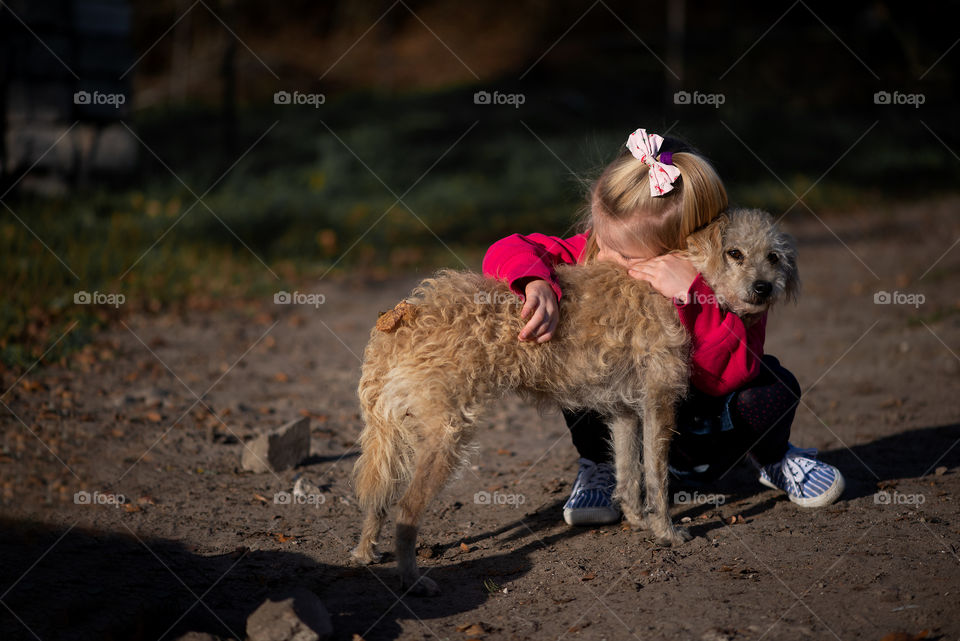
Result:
199,543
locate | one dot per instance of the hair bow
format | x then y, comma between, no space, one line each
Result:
645,148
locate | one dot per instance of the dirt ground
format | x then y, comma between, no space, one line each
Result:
198,543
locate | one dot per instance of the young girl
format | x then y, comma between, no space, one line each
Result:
643,206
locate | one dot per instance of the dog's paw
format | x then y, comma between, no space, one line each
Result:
422,586
674,536
633,517
366,556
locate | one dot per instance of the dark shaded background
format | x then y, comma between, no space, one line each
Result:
200,185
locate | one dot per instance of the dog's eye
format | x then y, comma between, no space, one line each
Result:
773,258
735,254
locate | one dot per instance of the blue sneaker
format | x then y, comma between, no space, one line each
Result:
807,481
591,500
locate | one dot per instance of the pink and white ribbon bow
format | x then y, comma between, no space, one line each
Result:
645,148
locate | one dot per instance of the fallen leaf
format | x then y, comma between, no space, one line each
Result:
261,498
130,507
503,451
154,417
464,547
282,538
474,630
589,576
280,377
31,386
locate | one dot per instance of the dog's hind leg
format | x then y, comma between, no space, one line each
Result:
437,457
366,550
658,426
627,441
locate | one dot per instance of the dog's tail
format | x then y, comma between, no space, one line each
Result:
384,460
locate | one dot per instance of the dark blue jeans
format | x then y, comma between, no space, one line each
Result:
713,430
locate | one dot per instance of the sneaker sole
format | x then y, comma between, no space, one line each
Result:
591,516
830,496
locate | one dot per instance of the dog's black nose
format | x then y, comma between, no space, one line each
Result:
762,288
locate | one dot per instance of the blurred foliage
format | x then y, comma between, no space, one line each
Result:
411,176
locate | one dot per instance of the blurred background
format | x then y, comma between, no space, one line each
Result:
184,154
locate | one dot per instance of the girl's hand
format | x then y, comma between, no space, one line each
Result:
670,274
543,309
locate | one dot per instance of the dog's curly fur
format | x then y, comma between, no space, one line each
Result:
619,349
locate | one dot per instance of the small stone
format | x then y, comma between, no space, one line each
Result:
295,616
716,634
280,449
304,490
940,471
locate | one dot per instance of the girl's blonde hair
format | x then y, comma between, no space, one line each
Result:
620,203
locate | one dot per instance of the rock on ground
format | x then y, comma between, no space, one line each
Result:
296,616
280,449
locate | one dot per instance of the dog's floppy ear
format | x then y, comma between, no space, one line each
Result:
788,248
705,246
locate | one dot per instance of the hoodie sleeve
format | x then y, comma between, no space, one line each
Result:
517,257
725,353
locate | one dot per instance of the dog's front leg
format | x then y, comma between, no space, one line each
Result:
627,442
658,427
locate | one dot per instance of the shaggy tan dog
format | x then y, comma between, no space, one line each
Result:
619,349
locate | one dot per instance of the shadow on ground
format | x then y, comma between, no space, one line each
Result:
69,583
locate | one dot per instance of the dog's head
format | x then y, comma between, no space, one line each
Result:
747,260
